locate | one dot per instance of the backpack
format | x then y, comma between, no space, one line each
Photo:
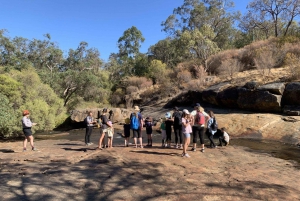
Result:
200,118
134,122
177,119
214,125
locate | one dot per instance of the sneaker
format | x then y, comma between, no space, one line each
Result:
34,149
90,143
24,149
181,147
176,146
202,150
183,154
193,149
187,155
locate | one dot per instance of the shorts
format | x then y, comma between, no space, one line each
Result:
136,133
27,132
186,135
163,134
103,130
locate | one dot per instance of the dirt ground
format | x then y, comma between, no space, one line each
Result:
68,170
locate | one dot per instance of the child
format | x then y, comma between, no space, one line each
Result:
163,132
127,131
110,134
224,138
148,123
186,130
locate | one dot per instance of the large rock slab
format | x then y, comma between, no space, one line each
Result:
256,100
210,94
228,97
274,88
291,110
291,95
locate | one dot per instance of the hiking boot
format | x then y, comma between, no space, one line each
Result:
34,149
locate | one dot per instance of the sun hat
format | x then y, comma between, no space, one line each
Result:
186,111
136,108
25,112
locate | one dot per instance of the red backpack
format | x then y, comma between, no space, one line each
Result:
200,118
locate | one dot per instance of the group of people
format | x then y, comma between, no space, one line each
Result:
184,123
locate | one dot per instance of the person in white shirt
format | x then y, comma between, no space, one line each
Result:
224,139
27,124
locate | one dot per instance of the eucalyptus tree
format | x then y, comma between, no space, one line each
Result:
273,17
194,14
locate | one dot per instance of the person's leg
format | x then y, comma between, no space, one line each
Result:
25,143
168,132
90,133
101,140
176,136
151,139
184,145
180,136
163,134
86,135
30,139
195,133
148,137
126,141
201,136
140,138
220,141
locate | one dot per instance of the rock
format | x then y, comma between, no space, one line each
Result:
291,110
210,94
251,85
228,97
291,94
119,114
256,100
274,88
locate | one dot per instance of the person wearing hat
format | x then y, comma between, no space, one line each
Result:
27,124
169,124
136,123
177,126
186,130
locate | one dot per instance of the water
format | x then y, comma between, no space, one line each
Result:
274,148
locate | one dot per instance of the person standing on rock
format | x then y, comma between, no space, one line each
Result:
169,124
104,127
199,118
89,121
212,127
177,118
27,124
136,125
186,130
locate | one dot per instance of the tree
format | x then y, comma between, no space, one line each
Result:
198,43
8,119
130,43
273,17
194,14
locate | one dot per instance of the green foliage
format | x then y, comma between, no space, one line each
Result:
8,119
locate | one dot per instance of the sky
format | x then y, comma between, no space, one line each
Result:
100,23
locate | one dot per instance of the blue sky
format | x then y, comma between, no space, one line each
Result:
100,23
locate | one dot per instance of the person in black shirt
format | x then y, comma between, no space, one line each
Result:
169,124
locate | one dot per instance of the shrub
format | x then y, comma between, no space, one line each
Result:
139,82
230,66
293,63
8,118
131,89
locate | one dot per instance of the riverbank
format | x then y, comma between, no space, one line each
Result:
64,169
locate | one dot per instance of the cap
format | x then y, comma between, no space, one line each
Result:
186,111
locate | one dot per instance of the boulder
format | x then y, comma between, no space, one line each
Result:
251,85
119,114
228,97
210,94
291,94
256,100
274,88
291,110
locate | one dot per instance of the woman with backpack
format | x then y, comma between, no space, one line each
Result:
212,127
200,117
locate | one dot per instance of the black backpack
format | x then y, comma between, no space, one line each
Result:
177,119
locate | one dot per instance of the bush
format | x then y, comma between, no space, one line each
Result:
139,82
293,63
8,118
